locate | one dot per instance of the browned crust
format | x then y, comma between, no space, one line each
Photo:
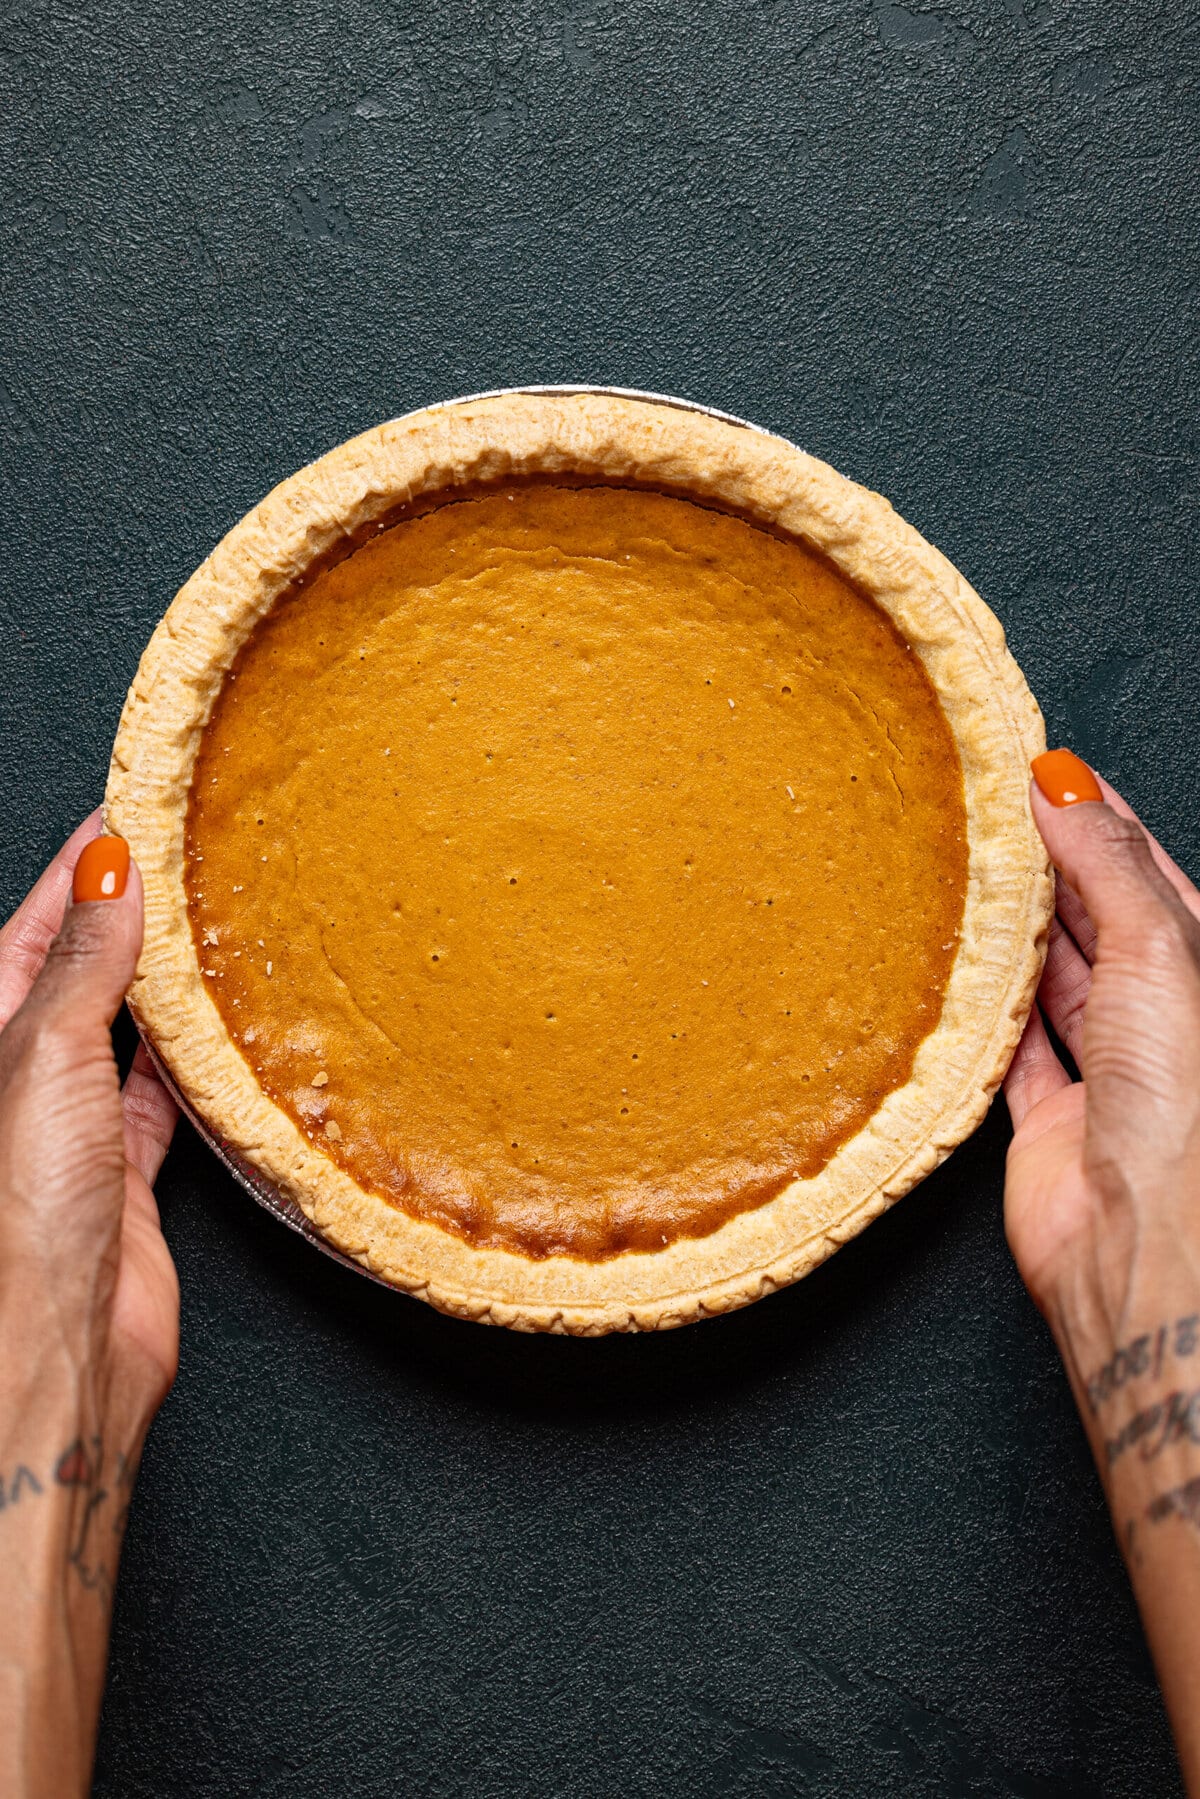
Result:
994,718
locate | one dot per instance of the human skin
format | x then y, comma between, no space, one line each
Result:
1102,1199
1102,1210
89,1309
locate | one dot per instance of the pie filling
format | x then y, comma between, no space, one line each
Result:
577,865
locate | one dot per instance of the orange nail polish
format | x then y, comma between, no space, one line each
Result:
102,870
1064,779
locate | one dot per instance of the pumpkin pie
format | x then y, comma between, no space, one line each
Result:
587,853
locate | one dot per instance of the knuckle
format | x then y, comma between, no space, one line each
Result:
36,1046
25,944
144,1108
1121,836
84,937
50,1035
1073,1007
1165,938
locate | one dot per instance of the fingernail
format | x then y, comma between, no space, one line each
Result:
1064,779
102,870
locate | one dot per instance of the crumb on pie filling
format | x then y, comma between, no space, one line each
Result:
577,865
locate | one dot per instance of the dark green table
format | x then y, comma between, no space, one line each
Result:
848,1542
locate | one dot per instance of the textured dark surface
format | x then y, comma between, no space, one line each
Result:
849,1541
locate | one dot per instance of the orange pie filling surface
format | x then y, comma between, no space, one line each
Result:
577,865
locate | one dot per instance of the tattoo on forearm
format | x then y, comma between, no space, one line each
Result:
78,1468
1148,1354
103,1485
24,1480
1182,1502
1172,1419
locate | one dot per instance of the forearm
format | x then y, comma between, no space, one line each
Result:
67,1464
1137,1383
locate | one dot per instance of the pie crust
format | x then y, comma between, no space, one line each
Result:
617,438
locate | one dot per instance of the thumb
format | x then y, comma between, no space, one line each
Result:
60,1098
93,958
1104,856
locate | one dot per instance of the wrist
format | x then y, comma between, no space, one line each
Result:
70,1445
68,1459
60,1364
1130,1274
1134,1369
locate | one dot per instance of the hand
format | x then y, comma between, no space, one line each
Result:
89,1302
1102,1200
1104,1174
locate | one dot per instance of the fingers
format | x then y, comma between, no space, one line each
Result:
92,960
1140,1046
78,963
1071,909
1034,1073
1065,985
1105,858
60,1103
26,938
150,1115
1074,916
